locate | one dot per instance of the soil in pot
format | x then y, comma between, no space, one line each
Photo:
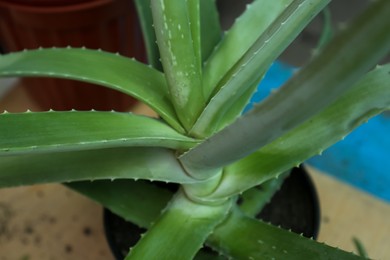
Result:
295,207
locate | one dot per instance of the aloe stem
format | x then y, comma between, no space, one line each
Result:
183,224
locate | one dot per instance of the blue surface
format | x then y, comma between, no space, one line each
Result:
362,159
277,74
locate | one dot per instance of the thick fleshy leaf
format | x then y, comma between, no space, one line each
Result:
116,163
139,202
211,32
327,30
369,97
256,198
97,67
237,41
313,88
252,65
264,241
75,130
124,197
183,227
177,38
193,8
146,20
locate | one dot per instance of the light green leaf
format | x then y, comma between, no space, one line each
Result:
193,8
211,32
264,241
327,30
184,225
256,198
177,39
250,68
125,197
313,88
144,12
238,103
76,130
97,67
368,98
238,40
116,163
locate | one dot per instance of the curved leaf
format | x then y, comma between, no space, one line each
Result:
327,30
116,163
76,130
264,241
255,199
124,197
97,67
368,98
331,74
237,41
210,30
183,225
146,19
252,65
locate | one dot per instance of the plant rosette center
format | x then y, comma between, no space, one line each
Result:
201,192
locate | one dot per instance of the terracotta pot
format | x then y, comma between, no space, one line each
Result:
111,25
45,2
294,207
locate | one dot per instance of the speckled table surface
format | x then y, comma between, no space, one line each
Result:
53,222
50,222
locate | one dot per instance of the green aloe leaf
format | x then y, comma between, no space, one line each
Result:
327,30
176,24
184,225
75,130
254,62
211,32
209,24
313,88
193,8
116,163
255,199
139,202
124,197
369,97
264,241
238,40
146,19
108,70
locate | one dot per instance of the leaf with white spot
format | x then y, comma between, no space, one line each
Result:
178,36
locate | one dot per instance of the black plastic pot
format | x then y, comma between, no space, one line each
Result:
295,206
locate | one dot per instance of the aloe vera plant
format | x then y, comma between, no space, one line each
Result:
199,81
